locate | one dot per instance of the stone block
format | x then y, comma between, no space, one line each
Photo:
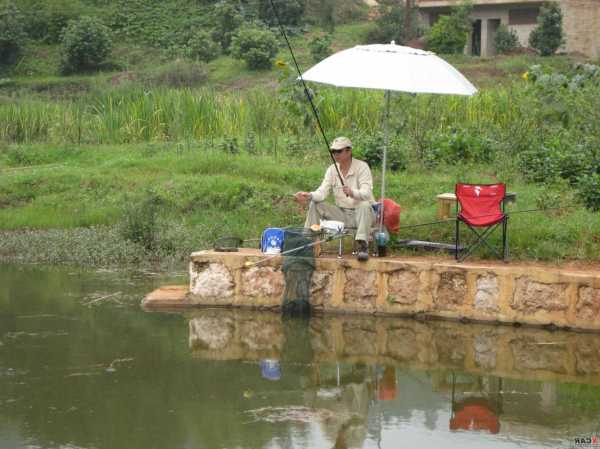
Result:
587,354
263,336
486,350
402,343
531,296
263,282
487,293
360,337
588,303
360,289
211,332
321,288
532,355
403,287
451,290
211,281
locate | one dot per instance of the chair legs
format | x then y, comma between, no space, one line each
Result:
481,239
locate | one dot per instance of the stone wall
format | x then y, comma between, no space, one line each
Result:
494,292
581,24
503,351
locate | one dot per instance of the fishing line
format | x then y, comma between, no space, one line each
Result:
306,91
451,220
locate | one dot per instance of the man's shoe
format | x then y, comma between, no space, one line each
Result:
363,251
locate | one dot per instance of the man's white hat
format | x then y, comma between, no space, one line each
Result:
339,143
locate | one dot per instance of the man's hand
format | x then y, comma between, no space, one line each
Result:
303,197
348,191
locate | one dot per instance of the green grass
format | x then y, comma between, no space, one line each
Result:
204,194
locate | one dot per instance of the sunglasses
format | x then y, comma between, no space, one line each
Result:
338,151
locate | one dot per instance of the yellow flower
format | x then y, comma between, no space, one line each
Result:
525,76
281,64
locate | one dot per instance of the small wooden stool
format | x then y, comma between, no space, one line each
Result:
446,202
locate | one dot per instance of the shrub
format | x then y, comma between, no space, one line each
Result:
505,40
12,35
201,46
86,44
256,46
320,47
460,146
389,24
588,190
47,20
179,73
449,34
139,223
289,12
226,19
548,35
370,149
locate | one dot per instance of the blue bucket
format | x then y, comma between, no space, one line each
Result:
272,241
270,369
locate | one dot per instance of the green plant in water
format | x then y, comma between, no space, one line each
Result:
140,220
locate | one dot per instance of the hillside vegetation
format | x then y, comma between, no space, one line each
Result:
156,153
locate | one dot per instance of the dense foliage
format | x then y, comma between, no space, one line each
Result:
547,37
320,47
86,45
288,12
256,46
449,34
46,20
389,24
505,40
12,34
201,46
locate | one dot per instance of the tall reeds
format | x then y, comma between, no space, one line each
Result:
138,115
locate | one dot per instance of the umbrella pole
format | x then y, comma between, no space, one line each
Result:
384,160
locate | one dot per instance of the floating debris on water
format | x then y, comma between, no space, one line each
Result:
295,414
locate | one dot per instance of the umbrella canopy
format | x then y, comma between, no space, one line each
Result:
390,67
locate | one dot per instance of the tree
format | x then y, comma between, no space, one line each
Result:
289,11
86,44
255,45
227,19
389,25
547,37
450,33
12,35
505,40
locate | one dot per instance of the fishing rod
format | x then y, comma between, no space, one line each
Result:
306,91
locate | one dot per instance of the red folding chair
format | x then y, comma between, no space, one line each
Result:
481,206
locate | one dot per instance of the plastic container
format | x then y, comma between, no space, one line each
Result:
272,241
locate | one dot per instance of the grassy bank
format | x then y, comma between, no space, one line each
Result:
158,202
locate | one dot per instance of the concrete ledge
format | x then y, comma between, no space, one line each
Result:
493,292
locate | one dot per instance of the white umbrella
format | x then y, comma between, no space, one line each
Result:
390,67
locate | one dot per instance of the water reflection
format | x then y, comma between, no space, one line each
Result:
498,383
80,372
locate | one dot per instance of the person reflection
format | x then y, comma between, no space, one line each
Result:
342,393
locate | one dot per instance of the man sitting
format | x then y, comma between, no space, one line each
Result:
353,200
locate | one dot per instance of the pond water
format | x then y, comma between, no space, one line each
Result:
83,366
